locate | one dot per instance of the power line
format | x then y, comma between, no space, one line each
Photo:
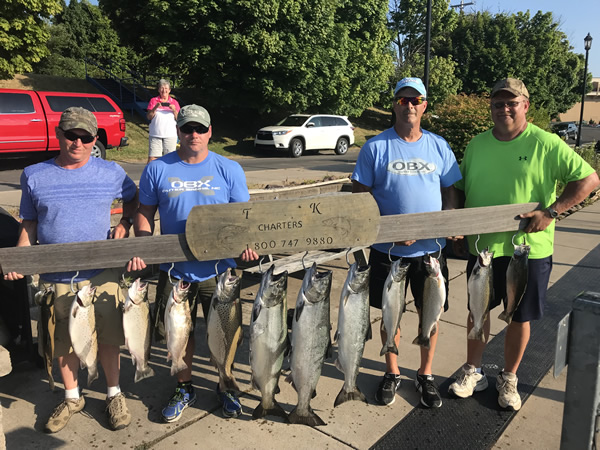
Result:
462,5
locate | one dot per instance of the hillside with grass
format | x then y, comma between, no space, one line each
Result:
233,129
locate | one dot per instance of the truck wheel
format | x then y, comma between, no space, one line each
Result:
99,151
341,148
296,148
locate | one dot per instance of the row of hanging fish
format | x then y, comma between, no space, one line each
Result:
480,288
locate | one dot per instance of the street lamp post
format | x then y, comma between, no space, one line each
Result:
588,44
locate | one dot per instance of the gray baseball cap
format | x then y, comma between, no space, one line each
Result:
78,117
193,113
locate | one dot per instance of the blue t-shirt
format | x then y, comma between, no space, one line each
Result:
176,187
405,177
72,205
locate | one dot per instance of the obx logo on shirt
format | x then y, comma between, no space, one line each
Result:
178,186
415,166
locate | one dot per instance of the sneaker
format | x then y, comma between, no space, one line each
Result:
508,397
118,414
386,392
184,396
468,381
430,394
231,405
62,413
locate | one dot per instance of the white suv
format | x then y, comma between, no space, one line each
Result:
300,132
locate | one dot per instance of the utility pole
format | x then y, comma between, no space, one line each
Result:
462,5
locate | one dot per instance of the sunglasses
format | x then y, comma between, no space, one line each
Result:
412,100
188,129
502,105
85,139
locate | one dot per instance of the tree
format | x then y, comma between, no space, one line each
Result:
271,55
489,47
23,34
82,31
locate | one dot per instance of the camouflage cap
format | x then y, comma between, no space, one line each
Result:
78,117
512,85
193,113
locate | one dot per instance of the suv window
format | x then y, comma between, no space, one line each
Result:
58,103
340,122
329,121
317,121
16,104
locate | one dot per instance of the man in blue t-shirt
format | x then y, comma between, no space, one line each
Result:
173,185
407,170
68,199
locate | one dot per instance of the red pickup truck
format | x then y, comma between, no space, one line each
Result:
28,119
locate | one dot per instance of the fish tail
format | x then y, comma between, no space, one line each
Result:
311,419
228,384
505,316
389,349
276,410
92,374
476,334
178,366
142,373
422,341
344,396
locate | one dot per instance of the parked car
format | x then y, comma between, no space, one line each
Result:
566,130
28,119
300,132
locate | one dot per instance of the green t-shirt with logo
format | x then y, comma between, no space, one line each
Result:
523,170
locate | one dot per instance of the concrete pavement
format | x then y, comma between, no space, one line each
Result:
27,400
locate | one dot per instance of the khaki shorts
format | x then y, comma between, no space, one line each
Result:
161,146
107,306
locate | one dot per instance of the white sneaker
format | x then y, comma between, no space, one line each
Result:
508,397
468,381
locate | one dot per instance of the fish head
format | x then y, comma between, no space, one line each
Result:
521,251
228,287
399,270
85,295
273,288
358,277
180,291
138,291
432,265
485,257
318,286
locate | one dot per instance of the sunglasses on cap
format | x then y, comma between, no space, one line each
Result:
412,100
85,139
189,129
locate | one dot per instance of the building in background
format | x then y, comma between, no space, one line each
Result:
591,108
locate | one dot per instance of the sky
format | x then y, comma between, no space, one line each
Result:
577,18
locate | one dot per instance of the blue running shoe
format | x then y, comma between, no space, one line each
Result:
184,396
231,405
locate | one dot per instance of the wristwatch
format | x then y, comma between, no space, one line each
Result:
552,212
129,220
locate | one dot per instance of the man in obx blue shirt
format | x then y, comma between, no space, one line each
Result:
173,185
68,199
407,170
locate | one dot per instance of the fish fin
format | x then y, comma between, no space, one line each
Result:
369,334
144,373
422,341
92,375
476,335
276,410
256,311
336,336
344,396
288,346
311,419
178,366
298,310
338,365
393,349
505,316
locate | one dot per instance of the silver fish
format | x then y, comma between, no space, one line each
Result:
434,295
516,281
224,328
178,325
311,340
480,289
137,329
354,329
82,330
393,302
268,340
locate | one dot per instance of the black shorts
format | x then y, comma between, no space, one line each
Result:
534,300
200,292
415,277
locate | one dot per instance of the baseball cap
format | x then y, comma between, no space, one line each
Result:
78,117
193,113
512,85
411,82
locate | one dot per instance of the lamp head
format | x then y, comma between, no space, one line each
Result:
588,42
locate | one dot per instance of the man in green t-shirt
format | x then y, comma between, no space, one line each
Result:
516,162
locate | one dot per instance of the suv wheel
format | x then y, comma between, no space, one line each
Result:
341,148
98,151
296,148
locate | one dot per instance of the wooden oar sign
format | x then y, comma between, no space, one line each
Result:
274,226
